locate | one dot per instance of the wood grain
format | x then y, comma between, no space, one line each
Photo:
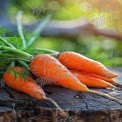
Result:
81,107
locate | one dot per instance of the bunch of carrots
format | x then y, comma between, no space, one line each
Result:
67,69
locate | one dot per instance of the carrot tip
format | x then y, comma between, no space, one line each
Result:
116,82
110,86
113,75
106,96
61,112
114,88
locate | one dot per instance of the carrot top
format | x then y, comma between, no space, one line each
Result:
19,72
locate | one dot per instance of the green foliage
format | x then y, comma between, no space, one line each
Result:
104,14
100,49
22,74
16,50
15,41
3,31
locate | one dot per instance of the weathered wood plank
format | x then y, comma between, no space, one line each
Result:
81,107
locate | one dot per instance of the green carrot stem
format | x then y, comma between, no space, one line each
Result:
19,52
47,50
22,59
37,31
12,64
19,27
6,42
23,63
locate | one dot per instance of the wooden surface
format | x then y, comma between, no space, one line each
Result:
81,107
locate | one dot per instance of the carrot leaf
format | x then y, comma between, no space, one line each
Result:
19,27
6,42
37,31
22,74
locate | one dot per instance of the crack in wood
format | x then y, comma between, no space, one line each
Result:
2,83
109,116
86,105
12,96
89,107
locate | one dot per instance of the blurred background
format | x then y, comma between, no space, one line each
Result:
102,14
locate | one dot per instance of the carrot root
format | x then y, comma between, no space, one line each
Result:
62,113
117,83
106,96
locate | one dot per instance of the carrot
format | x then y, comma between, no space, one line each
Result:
110,80
50,68
17,78
17,82
75,61
101,77
92,81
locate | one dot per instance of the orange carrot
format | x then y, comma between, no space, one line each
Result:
101,77
92,81
110,80
29,86
50,68
78,62
18,79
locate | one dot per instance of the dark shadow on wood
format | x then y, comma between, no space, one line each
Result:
84,107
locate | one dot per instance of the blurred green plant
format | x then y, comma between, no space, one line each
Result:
101,13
